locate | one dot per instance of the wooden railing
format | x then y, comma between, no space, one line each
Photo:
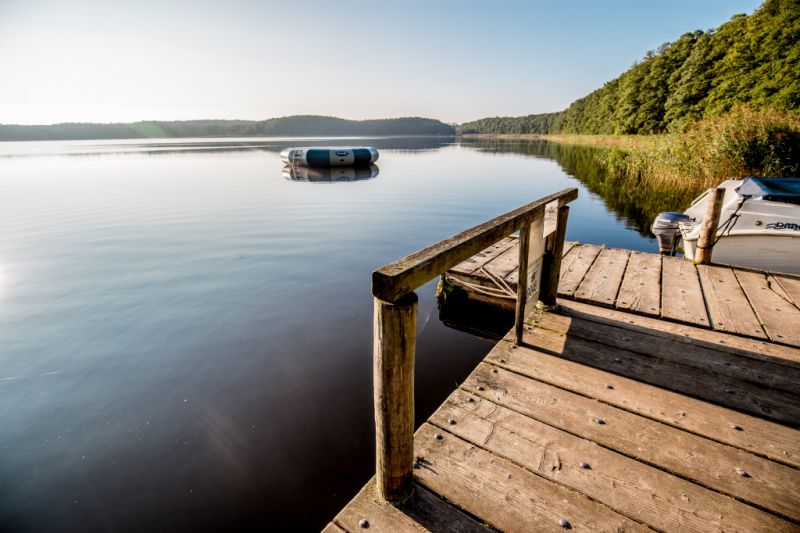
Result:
542,226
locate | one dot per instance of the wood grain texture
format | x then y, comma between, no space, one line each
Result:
681,294
505,495
512,278
400,277
728,307
574,266
484,256
395,327
640,291
505,263
774,309
693,336
333,528
601,283
708,229
790,285
422,512
638,491
551,266
723,363
768,484
730,391
751,433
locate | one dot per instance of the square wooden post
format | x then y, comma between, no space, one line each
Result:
551,266
522,281
393,375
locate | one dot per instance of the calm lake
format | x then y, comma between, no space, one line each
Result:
186,333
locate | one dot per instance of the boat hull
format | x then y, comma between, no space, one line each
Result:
780,253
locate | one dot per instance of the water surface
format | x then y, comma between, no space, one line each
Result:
185,333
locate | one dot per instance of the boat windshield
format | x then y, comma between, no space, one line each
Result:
775,189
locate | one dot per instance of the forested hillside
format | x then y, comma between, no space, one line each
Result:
753,60
289,126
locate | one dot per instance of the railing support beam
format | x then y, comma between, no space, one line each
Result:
394,347
551,265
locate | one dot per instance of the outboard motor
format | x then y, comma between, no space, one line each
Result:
665,228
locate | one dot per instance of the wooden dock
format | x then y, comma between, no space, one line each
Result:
741,301
614,413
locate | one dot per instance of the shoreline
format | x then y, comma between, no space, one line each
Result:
608,141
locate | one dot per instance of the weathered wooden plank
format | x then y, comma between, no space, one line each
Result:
641,492
772,440
778,316
568,245
392,281
728,306
672,348
747,347
729,470
505,263
512,278
729,391
640,291
574,266
790,285
505,495
681,295
333,528
602,281
484,256
423,511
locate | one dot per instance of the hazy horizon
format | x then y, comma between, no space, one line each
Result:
98,62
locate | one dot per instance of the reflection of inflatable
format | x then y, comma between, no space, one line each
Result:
329,175
330,156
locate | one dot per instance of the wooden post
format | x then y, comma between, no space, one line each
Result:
708,231
551,267
522,281
394,342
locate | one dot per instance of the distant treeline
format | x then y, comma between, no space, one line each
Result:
753,60
307,125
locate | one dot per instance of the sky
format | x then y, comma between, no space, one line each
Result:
113,61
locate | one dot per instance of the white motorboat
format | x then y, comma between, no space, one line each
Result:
759,225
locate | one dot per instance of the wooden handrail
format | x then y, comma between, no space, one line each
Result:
396,319
396,279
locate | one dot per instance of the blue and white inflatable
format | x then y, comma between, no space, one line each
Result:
330,156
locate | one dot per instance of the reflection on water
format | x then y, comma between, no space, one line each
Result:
329,175
186,336
629,199
183,146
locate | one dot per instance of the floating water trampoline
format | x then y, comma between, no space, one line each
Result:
330,156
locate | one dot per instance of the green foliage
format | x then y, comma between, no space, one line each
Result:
667,172
532,124
751,60
638,177
149,130
288,126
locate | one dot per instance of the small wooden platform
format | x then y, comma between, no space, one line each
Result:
608,421
659,396
740,301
